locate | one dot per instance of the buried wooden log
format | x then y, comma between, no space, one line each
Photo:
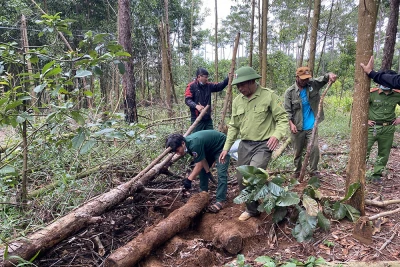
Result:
229,239
86,214
142,245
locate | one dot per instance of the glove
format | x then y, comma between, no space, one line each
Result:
187,184
211,177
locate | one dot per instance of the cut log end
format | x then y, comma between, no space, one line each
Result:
233,244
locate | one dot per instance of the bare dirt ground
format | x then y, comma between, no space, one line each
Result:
195,246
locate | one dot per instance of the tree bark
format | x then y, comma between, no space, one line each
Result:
128,79
355,171
169,53
216,57
391,32
228,238
263,82
228,97
190,42
164,66
303,47
142,245
326,34
314,31
253,7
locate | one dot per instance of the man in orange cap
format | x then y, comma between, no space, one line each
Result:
301,105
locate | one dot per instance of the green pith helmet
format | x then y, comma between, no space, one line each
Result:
245,74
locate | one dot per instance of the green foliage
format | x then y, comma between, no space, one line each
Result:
274,196
266,261
279,65
305,226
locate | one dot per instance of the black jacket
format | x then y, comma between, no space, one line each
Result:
388,80
197,93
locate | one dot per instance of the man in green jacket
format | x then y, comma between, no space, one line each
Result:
382,121
301,104
261,122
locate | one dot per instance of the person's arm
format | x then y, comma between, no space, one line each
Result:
189,101
233,129
288,108
280,117
388,80
196,170
318,83
217,87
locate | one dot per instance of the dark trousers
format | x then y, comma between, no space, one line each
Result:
203,125
255,154
300,142
222,171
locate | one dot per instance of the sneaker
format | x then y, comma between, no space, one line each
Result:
245,216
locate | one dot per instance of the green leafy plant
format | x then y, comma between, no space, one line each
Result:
328,243
275,195
240,262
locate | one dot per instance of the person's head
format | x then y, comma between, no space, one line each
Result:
391,72
177,143
245,80
202,75
303,75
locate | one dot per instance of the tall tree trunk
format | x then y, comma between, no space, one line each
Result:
190,42
166,82
326,33
128,80
378,28
169,52
355,171
303,47
216,57
253,7
228,97
264,43
260,36
216,43
391,32
314,31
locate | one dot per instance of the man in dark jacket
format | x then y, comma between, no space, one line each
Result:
198,95
381,77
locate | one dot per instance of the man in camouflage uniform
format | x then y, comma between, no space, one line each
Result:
301,104
382,121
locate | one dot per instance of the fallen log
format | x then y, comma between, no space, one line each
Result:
142,245
382,204
81,217
228,238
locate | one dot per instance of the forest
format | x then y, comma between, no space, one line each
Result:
90,90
